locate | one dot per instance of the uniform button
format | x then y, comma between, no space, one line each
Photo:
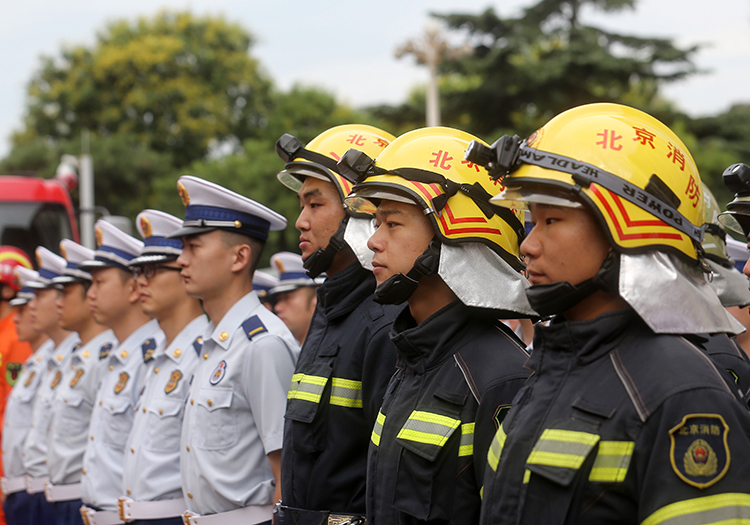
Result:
124,354
59,357
72,367
144,410
66,401
209,402
86,354
100,403
49,368
132,451
190,495
83,472
111,367
177,353
45,461
92,438
192,401
128,491
205,356
223,336
161,411
156,370
187,447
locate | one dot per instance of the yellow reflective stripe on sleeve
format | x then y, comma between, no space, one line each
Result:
496,448
562,448
378,429
526,476
428,428
346,393
724,509
466,448
307,388
612,461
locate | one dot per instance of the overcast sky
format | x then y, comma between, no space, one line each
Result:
346,46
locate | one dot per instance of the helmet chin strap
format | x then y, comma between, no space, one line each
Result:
398,288
556,298
320,260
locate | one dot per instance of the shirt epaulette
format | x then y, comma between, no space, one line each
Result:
198,345
253,326
104,350
148,348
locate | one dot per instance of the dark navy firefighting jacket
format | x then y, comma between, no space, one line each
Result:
458,372
343,369
619,425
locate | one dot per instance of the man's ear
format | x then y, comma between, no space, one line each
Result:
242,257
132,291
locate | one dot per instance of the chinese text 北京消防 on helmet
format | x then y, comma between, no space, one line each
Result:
630,169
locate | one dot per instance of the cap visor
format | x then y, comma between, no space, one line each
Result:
189,230
153,258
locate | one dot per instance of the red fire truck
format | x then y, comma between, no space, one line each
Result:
36,212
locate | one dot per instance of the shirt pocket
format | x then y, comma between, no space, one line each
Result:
428,465
217,427
164,425
118,420
74,416
19,408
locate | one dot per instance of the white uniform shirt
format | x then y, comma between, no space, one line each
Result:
19,409
35,448
152,454
235,414
72,409
112,418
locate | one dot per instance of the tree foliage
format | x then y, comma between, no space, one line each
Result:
178,83
526,69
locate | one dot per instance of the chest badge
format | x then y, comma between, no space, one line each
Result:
11,373
56,380
699,452
122,382
77,377
173,380
29,379
218,373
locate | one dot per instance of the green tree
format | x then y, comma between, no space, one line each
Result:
528,68
177,82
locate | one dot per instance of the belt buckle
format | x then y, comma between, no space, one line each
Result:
121,502
187,515
85,515
345,519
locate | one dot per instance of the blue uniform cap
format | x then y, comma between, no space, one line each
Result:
74,254
154,226
51,266
115,248
209,207
292,273
25,278
263,282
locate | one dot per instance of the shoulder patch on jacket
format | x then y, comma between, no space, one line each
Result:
104,350
198,345
148,348
253,326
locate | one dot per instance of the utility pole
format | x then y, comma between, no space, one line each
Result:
430,50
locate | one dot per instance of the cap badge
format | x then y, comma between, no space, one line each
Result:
183,194
99,236
148,231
